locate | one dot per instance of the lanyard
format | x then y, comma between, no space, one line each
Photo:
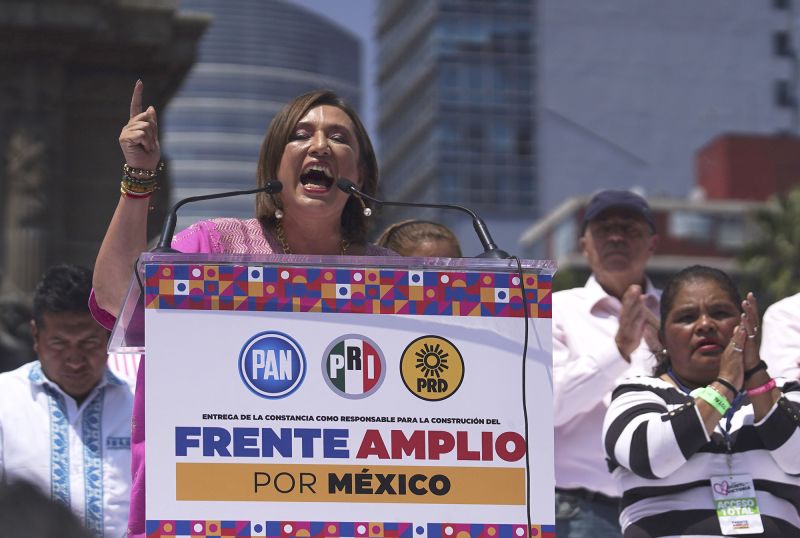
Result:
737,400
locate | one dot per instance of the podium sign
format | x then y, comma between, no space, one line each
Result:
332,396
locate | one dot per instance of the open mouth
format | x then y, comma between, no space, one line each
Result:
317,178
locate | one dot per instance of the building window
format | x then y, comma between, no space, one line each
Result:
731,234
689,225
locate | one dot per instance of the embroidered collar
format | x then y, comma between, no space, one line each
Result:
36,376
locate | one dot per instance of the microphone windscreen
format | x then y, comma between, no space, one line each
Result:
346,185
273,186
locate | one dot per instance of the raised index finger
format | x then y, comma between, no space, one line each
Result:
136,100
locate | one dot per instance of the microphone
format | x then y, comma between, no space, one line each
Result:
490,249
168,230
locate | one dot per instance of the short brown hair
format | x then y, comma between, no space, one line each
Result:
354,223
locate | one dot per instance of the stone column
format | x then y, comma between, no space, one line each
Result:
25,216
67,70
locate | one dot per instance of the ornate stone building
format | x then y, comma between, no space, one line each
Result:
68,69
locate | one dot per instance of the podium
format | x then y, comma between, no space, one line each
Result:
344,396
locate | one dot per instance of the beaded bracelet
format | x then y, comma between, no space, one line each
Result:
143,171
713,398
138,181
766,387
140,188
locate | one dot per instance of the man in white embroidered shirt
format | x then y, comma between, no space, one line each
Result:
65,419
602,333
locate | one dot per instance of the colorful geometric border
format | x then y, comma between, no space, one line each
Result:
359,291
319,529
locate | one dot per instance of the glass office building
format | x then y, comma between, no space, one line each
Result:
456,96
255,56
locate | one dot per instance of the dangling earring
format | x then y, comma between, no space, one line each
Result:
367,211
278,211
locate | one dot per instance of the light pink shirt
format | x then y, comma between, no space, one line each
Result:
586,367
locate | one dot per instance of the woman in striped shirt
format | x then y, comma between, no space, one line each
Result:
710,445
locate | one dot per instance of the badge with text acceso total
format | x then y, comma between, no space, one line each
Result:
736,504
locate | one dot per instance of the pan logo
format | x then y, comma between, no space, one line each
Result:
353,366
432,368
272,364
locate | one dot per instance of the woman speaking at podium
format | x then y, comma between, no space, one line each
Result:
314,140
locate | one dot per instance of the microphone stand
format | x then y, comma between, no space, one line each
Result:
490,249
168,230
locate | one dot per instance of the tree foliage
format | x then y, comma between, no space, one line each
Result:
771,263
570,277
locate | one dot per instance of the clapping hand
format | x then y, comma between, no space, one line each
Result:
750,324
636,321
741,353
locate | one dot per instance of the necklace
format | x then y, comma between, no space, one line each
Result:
281,235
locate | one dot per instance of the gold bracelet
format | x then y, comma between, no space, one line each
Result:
135,196
126,190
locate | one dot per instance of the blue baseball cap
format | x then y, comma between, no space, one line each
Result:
621,200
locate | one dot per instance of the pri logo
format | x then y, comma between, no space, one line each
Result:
353,366
432,368
272,365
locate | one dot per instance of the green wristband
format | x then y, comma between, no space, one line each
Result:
713,398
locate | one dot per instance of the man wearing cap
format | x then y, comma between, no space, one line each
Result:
602,333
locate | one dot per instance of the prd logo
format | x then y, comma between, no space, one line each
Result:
353,366
432,368
272,364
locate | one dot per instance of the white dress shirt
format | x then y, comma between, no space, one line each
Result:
78,455
586,367
780,338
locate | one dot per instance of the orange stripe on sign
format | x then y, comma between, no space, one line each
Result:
349,483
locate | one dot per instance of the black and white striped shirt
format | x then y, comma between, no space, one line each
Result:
662,457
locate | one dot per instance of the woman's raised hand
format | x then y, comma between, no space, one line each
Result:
750,324
731,367
741,353
139,138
